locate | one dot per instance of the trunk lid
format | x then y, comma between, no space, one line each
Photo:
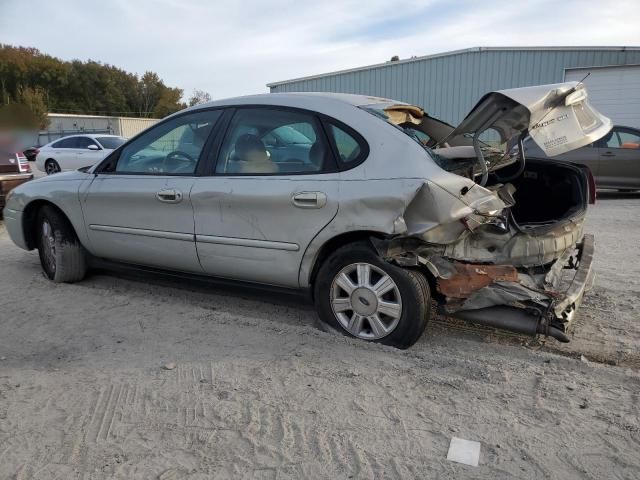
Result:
559,117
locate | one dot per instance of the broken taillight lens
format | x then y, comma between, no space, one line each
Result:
592,187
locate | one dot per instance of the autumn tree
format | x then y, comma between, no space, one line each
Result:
91,87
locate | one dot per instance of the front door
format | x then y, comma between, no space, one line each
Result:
138,207
88,152
274,188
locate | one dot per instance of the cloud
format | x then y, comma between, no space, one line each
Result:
235,48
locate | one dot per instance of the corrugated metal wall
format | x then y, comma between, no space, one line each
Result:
61,125
448,85
129,126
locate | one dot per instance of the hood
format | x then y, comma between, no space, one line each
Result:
558,117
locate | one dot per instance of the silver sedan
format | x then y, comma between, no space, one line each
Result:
371,205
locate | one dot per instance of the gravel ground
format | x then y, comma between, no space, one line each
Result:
255,389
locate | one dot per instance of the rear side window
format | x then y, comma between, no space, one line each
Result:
265,141
65,143
351,150
629,139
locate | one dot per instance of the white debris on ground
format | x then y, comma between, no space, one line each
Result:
464,451
259,391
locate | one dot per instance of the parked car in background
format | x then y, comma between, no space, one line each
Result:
614,160
339,195
76,151
14,171
31,152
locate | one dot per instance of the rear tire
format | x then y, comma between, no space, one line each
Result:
51,167
363,296
62,257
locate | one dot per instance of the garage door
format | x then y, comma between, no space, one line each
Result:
614,91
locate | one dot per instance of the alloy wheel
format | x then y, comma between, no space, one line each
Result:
366,301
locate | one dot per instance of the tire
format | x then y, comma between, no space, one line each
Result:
399,316
51,167
62,257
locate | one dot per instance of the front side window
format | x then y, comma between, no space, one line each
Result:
111,143
171,148
84,142
264,141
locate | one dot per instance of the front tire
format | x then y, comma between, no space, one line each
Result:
62,257
363,296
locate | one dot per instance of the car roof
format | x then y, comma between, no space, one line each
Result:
90,135
303,98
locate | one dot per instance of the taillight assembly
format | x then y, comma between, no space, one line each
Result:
592,187
23,163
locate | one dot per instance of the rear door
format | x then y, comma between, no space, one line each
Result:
273,188
64,152
138,208
619,159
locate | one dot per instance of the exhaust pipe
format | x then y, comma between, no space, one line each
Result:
512,319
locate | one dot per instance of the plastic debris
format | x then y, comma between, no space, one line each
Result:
464,451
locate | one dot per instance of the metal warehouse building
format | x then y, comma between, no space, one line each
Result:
447,85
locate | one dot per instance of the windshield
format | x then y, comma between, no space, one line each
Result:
111,143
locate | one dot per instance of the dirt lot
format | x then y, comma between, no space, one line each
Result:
259,391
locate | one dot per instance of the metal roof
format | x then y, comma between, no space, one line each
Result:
451,53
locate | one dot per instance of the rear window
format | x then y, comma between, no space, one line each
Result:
110,142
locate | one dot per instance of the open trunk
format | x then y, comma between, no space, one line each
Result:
546,192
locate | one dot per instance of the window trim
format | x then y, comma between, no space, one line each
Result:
333,167
115,155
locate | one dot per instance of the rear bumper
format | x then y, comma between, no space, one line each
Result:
529,305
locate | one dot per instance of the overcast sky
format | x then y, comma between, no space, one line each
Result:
233,48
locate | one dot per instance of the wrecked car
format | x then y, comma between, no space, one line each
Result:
373,206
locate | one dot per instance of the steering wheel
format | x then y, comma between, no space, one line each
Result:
180,160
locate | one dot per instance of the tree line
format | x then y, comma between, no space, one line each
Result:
39,83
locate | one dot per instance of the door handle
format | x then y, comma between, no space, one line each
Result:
608,154
309,200
169,195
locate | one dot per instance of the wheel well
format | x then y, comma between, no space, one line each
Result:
337,242
29,218
350,237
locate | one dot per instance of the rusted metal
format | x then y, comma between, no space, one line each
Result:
469,278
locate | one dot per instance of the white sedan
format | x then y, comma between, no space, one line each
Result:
76,151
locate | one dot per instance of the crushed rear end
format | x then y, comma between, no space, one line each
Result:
513,255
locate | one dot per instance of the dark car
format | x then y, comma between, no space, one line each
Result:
14,170
31,153
614,160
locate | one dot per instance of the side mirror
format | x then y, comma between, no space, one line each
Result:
93,147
